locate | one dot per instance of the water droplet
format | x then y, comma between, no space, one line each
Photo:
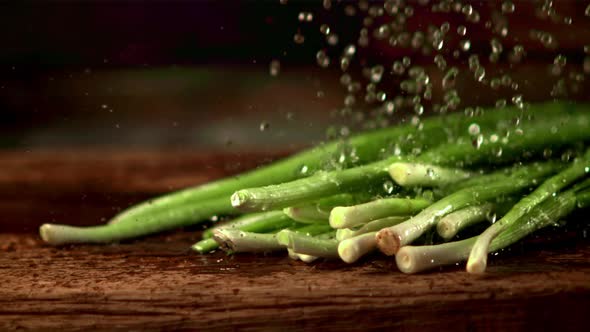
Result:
325,29
406,61
418,109
305,17
376,73
264,126
473,62
381,32
344,63
322,59
496,46
440,62
428,92
389,107
587,11
517,101
500,103
474,17
349,50
480,74
461,30
349,100
349,10
517,53
388,187
560,60
473,129
332,39
465,45
495,83
448,80
477,141
398,68
298,38
274,68
467,9
327,4
547,40
507,7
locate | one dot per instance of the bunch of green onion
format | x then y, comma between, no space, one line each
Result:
420,191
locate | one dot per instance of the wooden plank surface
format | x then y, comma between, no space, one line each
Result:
157,283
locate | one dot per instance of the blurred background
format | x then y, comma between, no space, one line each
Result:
244,74
158,74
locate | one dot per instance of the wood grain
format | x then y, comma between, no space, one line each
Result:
156,283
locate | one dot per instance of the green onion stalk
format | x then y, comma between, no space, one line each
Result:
189,206
352,216
391,239
452,223
372,226
531,137
319,212
580,168
413,259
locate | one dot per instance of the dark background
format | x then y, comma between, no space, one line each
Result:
163,74
157,74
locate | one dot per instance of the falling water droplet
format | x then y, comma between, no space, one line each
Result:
465,45
376,73
274,68
298,38
461,30
322,59
440,62
388,187
480,74
508,7
560,60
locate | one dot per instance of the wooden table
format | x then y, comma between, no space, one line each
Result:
157,283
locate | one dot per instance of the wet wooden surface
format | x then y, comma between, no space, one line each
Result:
157,283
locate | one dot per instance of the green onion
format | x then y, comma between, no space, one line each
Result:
424,175
309,245
192,205
392,238
351,216
413,259
350,250
255,222
539,135
452,223
373,226
478,258
319,212
239,241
